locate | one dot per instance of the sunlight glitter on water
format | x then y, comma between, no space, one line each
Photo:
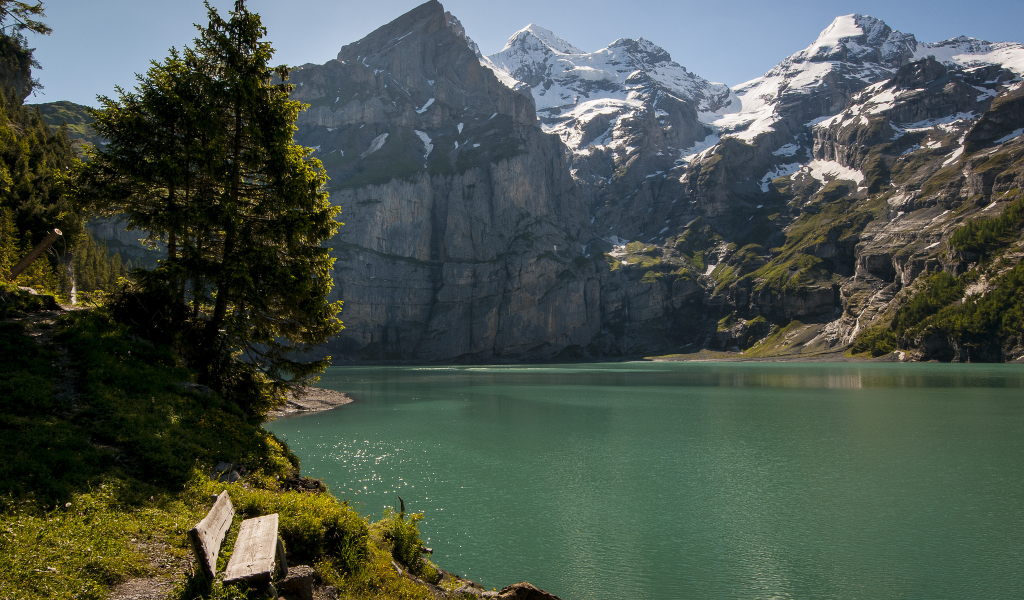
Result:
693,480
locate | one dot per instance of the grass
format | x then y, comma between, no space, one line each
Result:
79,122
96,483
75,549
776,342
795,266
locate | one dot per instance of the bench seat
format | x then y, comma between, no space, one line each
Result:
256,549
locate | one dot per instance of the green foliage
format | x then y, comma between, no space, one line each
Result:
777,342
834,190
999,313
201,155
985,322
791,273
313,526
876,172
15,302
95,269
796,265
403,537
31,158
724,275
651,276
9,241
698,260
940,180
876,341
639,248
940,291
17,16
74,549
141,422
96,484
643,260
613,262
985,237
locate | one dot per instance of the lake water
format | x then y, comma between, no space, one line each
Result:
693,480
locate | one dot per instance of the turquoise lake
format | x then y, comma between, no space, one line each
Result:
692,480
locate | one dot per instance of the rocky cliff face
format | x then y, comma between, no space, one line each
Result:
464,229
545,201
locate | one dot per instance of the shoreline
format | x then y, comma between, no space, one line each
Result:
310,400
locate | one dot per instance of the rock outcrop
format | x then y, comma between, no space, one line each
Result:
464,229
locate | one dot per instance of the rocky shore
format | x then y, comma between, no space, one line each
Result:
310,399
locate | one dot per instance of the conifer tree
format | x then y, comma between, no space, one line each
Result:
202,155
32,156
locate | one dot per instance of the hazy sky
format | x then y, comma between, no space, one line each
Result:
97,44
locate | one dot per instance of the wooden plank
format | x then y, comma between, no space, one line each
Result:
207,536
253,557
282,558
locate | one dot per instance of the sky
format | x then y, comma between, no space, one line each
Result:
99,44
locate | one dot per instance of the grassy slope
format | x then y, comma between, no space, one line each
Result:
79,122
105,462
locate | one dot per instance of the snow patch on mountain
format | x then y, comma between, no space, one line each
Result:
787,150
853,47
832,36
829,170
426,142
375,145
533,34
700,149
779,171
1011,136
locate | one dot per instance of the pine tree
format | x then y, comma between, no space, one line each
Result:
32,156
202,156
8,241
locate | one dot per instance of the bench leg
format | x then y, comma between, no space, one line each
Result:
282,560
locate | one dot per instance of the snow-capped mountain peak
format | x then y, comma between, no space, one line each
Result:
535,36
595,100
859,38
841,28
852,52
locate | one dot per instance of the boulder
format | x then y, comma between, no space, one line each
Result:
298,585
525,591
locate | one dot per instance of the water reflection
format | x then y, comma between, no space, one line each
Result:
694,480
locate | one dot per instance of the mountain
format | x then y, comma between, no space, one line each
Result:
75,117
795,197
802,191
548,202
463,225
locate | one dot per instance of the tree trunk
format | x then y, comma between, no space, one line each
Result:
69,269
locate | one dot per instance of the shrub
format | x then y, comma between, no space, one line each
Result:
403,537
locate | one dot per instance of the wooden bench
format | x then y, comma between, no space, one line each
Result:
257,547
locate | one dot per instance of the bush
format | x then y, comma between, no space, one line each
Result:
403,537
877,341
